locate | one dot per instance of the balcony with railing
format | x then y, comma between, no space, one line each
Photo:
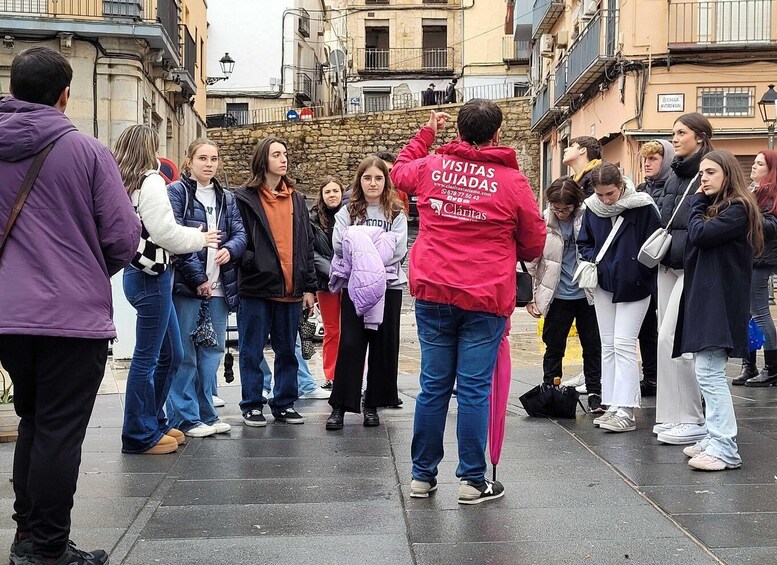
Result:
303,87
560,83
186,74
514,51
592,51
722,25
139,19
542,112
544,15
399,60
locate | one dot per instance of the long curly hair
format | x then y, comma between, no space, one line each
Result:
766,193
389,202
735,189
321,206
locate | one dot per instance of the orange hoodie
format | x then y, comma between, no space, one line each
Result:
279,209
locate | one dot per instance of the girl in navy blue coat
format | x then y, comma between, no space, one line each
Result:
210,275
625,285
724,232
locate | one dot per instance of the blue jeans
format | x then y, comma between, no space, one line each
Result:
305,382
190,402
457,346
158,352
258,319
759,305
721,439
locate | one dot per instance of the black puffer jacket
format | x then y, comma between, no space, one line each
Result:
683,172
654,187
769,256
322,245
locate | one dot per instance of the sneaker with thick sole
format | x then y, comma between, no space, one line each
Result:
217,402
474,493
693,450
177,435
619,423
582,389
288,416
165,445
422,489
371,418
254,418
705,462
595,404
318,394
683,434
201,430
658,428
21,554
575,381
604,417
221,427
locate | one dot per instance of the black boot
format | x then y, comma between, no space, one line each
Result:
335,420
768,375
749,370
371,418
647,388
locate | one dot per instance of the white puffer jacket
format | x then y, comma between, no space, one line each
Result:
546,270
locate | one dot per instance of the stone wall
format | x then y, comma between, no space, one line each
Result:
335,146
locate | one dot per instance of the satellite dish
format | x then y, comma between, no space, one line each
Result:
337,59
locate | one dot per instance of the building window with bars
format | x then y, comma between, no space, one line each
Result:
726,101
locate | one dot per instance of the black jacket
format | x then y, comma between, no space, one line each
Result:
619,271
322,245
768,258
654,187
716,296
260,274
586,184
190,269
683,171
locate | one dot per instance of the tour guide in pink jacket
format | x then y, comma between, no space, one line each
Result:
477,217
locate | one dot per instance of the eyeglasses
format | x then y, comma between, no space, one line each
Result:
562,210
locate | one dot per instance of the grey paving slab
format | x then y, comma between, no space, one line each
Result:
298,549
680,499
747,555
681,474
329,446
520,472
248,520
495,523
279,491
675,551
743,529
117,462
85,538
347,468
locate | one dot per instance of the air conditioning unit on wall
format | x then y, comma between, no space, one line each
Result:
591,7
546,45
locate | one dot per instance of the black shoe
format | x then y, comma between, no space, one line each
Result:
335,420
473,493
749,371
21,554
254,418
289,416
767,377
647,388
396,404
595,404
328,385
371,418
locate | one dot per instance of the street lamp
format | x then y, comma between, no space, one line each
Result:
227,64
768,108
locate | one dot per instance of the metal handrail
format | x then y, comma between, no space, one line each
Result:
721,22
140,10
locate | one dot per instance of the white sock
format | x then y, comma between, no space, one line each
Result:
626,412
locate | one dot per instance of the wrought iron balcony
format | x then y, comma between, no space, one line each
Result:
133,9
592,51
545,14
515,51
560,83
721,24
303,86
399,60
542,113
187,75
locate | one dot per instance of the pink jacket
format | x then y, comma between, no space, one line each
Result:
362,267
478,217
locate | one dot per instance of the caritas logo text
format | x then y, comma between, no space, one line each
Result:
452,210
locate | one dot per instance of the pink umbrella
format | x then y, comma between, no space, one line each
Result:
500,389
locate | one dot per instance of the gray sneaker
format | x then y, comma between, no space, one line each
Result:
619,423
603,418
422,489
473,493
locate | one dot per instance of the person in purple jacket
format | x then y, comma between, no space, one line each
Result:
76,229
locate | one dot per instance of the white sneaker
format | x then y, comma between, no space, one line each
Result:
318,394
217,402
683,434
203,430
220,427
575,381
581,389
693,450
658,428
268,394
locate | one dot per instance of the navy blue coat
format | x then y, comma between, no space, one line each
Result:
716,294
190,269
619,271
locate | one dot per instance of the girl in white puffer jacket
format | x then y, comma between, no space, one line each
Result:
559,299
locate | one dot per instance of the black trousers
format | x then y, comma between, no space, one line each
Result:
55,385
383,361
555,331
648,342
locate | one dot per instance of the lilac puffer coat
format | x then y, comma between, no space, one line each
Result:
362,268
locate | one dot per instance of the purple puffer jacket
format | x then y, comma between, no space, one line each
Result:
76,230
366,250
